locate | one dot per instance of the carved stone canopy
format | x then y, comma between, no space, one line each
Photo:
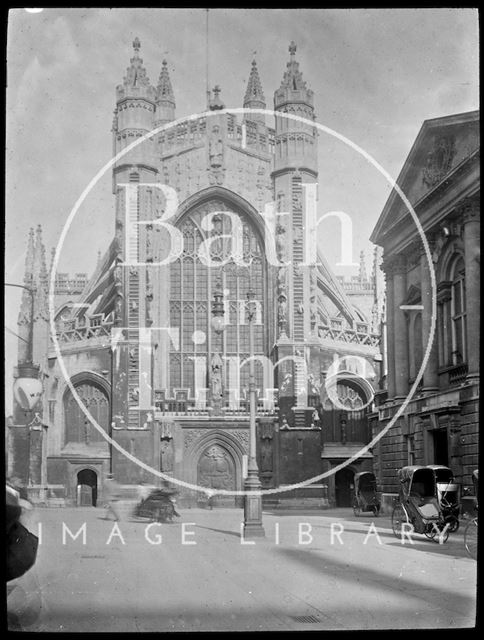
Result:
394,265
469,209
444,291
414,295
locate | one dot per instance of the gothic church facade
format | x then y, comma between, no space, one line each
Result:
208,210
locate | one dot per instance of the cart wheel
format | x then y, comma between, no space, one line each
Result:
376,511
443,534
356,510
431,530
470,538
437,536
453,523
398,518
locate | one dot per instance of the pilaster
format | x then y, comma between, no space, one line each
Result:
400,326
472,236
431,377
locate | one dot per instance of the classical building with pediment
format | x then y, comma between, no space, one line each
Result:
156,348
429,410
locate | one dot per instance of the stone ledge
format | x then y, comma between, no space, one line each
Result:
300,503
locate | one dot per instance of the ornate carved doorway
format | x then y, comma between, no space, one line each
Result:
216,470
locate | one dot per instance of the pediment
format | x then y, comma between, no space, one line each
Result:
442,145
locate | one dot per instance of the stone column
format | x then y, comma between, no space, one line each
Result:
431,375
400,327
472,237
390,338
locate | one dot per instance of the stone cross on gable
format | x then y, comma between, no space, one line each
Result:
292,48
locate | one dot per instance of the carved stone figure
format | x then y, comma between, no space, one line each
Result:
282,312
266,455
215,149
216,378
166,455
118,309
280,242
216,469
313,310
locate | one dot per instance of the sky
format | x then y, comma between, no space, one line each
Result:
376,75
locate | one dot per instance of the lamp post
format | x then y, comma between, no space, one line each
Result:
253,499
27,388
343,431
218,325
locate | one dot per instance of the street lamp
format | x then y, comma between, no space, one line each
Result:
27,388
218,325
253,499
343,431
218,322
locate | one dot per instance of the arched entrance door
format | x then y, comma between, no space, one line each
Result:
216,470
87,488
344,482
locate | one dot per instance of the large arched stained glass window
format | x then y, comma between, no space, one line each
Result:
217,240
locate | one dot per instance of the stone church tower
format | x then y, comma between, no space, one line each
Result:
209,210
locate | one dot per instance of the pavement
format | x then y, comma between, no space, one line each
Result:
313,570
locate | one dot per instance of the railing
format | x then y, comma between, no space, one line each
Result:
191,406
185,134
350,336
458,373
355,285
73,331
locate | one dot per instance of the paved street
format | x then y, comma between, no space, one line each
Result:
298,578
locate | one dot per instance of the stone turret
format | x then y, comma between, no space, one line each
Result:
254,96
36,278
165,98
136,83
295,164
134,118
295,141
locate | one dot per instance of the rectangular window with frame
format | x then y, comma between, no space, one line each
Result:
410,449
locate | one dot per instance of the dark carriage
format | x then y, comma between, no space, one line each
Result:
417,508
366,496
448,495
159,506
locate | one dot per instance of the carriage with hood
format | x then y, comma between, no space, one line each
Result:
448,495
417,509
366,497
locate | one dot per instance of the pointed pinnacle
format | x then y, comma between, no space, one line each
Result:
254,86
